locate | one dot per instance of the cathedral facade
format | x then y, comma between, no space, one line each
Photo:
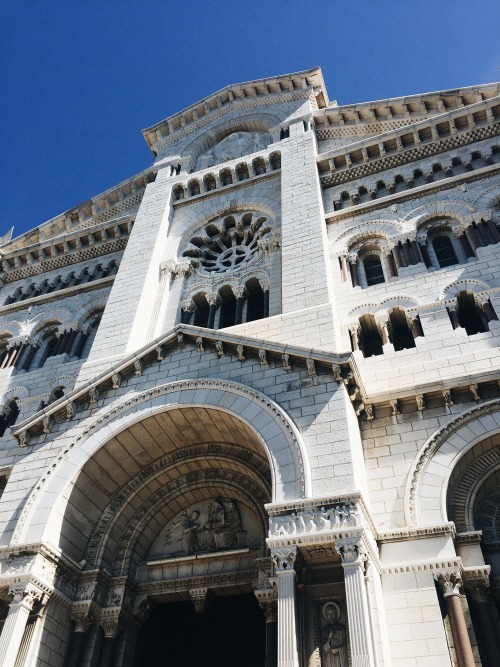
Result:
251,396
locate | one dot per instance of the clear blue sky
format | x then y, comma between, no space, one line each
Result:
81,78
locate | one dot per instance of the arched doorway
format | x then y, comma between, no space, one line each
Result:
230,632
168,519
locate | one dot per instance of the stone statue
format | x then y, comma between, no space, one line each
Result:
333,638
189,531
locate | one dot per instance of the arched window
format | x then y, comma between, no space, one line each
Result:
242,172
227,316
193,188
444,250
8,415
370,339
401,335
226,177
373,270
275,161
255,300
470,316
178,192
202,311
210,183
259,166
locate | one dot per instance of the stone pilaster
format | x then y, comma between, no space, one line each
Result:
353,558
24,599
284,561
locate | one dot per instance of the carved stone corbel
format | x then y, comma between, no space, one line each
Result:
199,599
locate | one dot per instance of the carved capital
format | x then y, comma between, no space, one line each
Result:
199,598
81,620
284,558
239,292
449,582
110,625
212,298
188,305
27,595
351,552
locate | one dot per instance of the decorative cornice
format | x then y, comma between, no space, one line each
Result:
436,567
171,339
422,532
406,144
235,96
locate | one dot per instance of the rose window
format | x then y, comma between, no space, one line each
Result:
228,243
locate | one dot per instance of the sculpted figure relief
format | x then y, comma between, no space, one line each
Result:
314,520
333,637
233,146
207,527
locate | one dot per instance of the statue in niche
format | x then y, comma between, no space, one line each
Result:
233,146
333,637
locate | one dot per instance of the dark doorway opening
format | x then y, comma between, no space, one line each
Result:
231,632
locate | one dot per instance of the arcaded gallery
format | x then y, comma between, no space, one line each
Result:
250,397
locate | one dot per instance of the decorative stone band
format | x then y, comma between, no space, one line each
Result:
339,166
435,567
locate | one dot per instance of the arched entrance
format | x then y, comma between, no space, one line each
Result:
168,520
230,632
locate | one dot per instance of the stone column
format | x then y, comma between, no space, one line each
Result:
478,590
110,625
212,299
353,562
81,620
239,293
354,273
265,288
268,604
455,322
284,560
450,584
187,309
24,599
343,268
354,339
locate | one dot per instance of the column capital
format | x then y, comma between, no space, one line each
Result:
199,598
351,551
110,625
284,558
188,305
81,620
27,594
212,298
449,582
239,291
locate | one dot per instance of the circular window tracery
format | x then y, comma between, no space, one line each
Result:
228,243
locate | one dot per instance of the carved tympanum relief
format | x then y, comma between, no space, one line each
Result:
233,146
211,525
230,242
